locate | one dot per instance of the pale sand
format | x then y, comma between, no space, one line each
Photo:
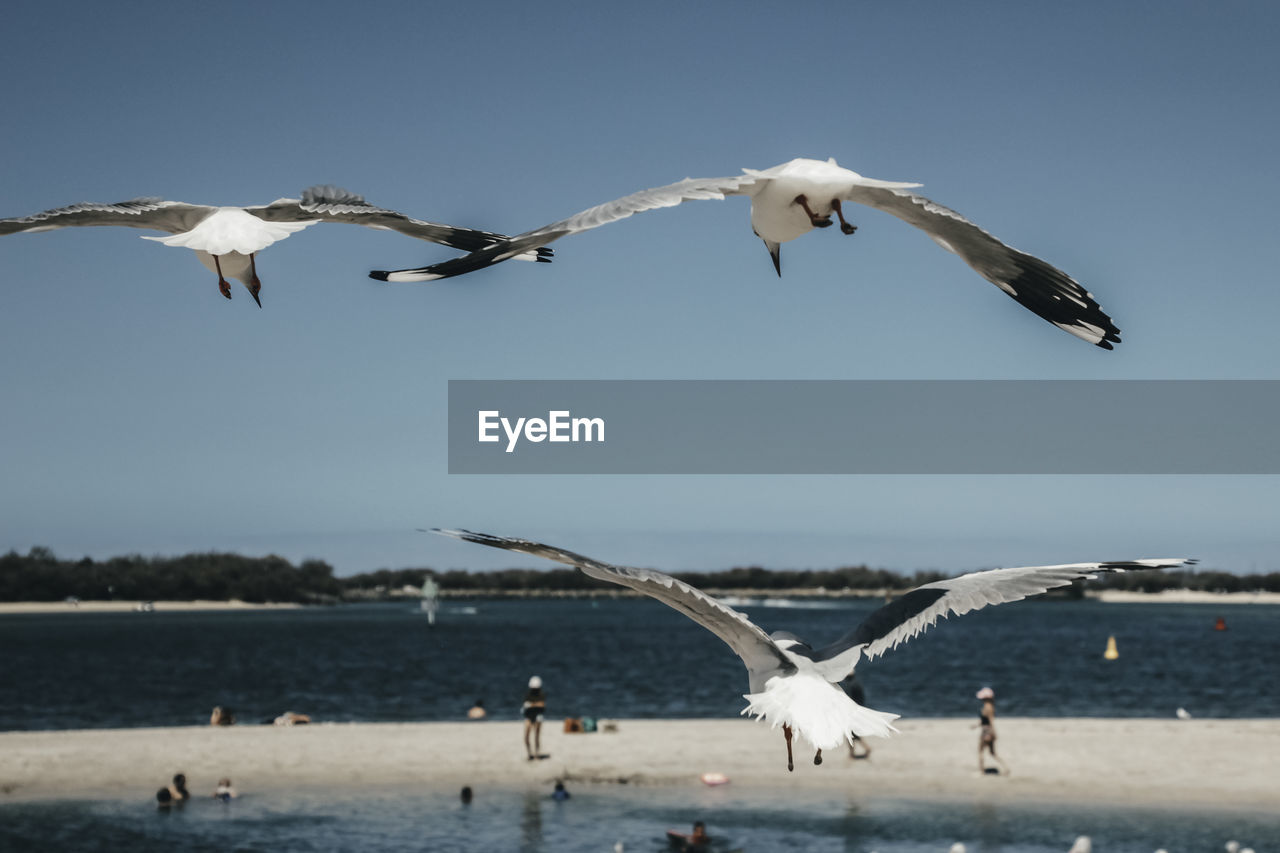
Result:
17,607
1207,764
1172,596
1183,596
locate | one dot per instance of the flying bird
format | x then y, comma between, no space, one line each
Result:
794,198
796,686
226,239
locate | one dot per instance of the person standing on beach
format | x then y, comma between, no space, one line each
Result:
987,722
534,708
853,689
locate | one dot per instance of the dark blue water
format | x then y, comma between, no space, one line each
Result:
614,658
596,818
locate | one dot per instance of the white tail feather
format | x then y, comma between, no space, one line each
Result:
816,710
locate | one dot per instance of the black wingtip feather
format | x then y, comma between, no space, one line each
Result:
379,275
1055,296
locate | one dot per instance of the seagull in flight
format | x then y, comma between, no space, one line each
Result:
226,239
795,685
794,198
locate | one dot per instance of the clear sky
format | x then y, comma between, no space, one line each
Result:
1131,144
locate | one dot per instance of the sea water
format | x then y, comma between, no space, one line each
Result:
615,658
596,818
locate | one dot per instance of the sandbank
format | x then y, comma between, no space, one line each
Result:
1204,764
20,607
1182,596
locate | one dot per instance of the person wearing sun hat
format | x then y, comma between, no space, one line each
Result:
987,737
533,709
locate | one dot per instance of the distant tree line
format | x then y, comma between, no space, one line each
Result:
40,576
1207,580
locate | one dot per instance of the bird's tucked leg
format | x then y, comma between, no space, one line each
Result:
817,758
786,733
814,219
223,285
845,227
255,285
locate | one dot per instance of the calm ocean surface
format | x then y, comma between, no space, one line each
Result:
614,658
621,659
597,817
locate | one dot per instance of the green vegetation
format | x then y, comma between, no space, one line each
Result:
40,576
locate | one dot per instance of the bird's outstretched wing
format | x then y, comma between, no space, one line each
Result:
1043,289
334,204
920,609
690,189
174,217
742,635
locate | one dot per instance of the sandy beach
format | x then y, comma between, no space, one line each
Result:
1182,596
1110,596
1208,764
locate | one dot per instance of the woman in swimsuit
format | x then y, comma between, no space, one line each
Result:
987,722
534,707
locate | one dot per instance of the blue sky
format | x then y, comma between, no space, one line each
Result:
1129,144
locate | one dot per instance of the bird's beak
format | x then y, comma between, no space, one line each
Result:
775,252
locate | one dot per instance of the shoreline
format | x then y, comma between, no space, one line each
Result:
1207,764
734,598
42,607
1182,596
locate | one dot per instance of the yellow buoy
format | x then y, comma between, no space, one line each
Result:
1111,653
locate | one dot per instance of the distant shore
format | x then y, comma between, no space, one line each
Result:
19,607
1182,596
1203,764
735,598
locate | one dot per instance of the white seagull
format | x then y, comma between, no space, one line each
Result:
226,239
796,686
794,198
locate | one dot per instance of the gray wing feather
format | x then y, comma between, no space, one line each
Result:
1040,287
742,635
334,204
175,217
690,189
899,621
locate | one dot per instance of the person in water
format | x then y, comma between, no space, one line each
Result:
560,793
477,711
987,735
178,788
695,842
534,708
224,791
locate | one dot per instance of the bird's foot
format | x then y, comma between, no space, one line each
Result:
817,758
225,287
254,284
814,219
845,226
